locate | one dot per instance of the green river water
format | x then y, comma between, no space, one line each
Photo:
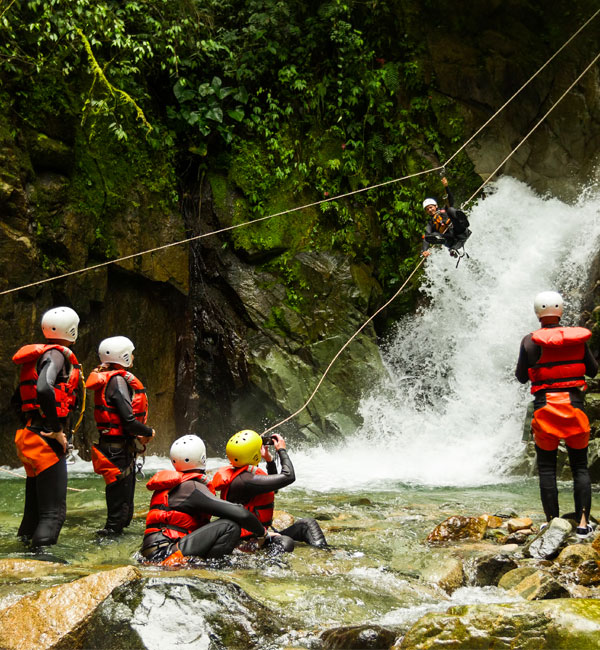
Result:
370,575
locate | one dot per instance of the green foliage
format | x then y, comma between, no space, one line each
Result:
293,101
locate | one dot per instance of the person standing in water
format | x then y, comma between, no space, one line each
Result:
245,483
447,226
120,412
555,359
48,395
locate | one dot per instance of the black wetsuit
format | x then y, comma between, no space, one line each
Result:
213,540
455,236
529,355
46,494
121,452
247,485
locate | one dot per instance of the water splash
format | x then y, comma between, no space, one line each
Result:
451,412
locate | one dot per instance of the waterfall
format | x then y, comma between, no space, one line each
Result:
451,412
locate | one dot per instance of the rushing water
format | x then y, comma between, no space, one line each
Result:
439,438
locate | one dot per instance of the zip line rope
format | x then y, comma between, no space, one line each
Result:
308,205
346,344
293,415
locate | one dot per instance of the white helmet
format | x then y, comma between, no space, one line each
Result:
116,349
188,452
60,323
548,303
427,202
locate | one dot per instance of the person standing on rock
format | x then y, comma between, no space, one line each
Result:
556,359
120,412
245,483
47,397
448,226
178,526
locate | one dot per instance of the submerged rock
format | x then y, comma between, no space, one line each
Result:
557,624
53,617
369,637
458,527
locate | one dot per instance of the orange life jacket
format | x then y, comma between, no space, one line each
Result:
561,363
107,418
261,505
65,392
164,518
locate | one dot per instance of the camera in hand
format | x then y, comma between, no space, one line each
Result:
267,439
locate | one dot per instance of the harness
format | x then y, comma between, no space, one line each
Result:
65,392
561,363
261,505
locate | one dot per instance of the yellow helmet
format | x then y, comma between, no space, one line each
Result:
243,448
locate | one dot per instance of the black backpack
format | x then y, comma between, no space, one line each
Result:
459,220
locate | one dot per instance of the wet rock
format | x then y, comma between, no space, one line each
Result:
518,524
493,521
447,573
282,519
540,585
180,612
53,617
575,554
487,570
519,537
561,624
549,541
21,569
512,578
458,527
362,636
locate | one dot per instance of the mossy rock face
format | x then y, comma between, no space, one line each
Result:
561,624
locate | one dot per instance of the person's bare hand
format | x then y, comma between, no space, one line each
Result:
58,436
278,441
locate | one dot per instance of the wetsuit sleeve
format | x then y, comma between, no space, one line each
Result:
449,197
201,499
118,396
591,365
529,353
248,485
51,365
428,231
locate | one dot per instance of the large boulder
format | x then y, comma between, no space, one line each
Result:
561,624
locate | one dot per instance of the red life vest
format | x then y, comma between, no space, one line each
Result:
162,517
561,363
65,392
260,505
107,419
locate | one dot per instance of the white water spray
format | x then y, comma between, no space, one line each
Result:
452,412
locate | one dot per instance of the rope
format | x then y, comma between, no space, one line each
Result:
508,101
8,471
533,129
346,344
302,207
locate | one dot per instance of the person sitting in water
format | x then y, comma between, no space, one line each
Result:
556,359
449,226
178,525
245,483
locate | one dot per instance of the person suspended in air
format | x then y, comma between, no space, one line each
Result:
447,226
178,525
245,483
47,397
556,359
120,412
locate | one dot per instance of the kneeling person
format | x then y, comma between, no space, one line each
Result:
178,524
245,483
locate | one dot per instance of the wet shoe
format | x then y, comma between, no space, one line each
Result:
108,532
583,532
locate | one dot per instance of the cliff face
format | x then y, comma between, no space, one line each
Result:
235,331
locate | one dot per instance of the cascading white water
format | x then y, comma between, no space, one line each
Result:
452,412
